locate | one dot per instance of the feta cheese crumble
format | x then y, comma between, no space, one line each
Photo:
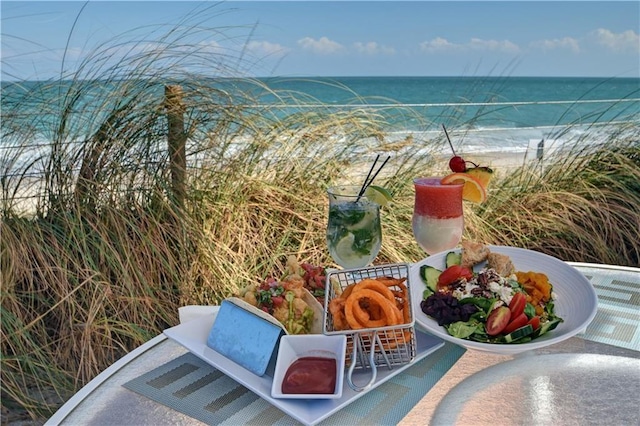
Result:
488,284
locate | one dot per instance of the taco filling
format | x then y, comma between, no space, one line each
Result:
286,301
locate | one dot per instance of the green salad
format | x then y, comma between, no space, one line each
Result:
486,307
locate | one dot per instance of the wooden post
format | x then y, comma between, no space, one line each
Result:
177,139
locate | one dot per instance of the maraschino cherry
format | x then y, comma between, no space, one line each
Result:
457,163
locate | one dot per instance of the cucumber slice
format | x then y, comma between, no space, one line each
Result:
453,258
547,326
518,334
426,293
430,275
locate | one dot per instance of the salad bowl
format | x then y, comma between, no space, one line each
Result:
574,298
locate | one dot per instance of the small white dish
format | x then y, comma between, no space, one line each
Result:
294,347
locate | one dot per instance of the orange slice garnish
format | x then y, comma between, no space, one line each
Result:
473,189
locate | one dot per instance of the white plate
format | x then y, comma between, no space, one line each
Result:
575,299
193,336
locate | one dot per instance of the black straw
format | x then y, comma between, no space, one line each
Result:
450,144
364,184
374,176
368,181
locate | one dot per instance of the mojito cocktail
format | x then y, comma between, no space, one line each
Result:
354,234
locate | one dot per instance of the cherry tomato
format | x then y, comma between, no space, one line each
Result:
517,322
451,274
534,322
457,164
517,304
497,320
277,300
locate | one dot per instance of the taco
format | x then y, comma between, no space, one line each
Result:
289,302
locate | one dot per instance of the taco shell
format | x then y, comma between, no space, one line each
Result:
318,311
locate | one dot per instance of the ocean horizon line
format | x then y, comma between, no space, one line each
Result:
326,77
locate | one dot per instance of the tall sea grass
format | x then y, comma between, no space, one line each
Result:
103,256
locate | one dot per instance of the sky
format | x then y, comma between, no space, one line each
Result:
46,39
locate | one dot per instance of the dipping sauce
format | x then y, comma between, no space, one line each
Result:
311,375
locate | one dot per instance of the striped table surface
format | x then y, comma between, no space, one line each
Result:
191,386
617,321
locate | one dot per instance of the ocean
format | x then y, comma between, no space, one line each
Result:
482,114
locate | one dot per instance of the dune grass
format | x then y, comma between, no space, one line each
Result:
580,208
105,256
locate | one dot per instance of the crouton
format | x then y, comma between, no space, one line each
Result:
473,253
501,263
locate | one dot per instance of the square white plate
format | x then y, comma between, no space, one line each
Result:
193,336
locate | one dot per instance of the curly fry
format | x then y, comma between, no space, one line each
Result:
369,313
376,286
336,307
390,281
400,296
406,310
347,291
391,312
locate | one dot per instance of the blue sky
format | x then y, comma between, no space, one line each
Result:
332,38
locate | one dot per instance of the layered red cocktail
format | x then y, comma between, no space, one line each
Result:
437,217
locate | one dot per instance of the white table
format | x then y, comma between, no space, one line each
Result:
579,381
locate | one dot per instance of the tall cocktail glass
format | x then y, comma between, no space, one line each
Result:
437,220
354,234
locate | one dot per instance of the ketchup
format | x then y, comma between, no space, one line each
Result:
311,375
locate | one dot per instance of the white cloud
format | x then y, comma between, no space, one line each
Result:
212,46
440,44
322,46
267,48
627,41
494,45
568,43
373,48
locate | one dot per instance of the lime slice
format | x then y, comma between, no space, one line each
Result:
365,222
378,194
344,248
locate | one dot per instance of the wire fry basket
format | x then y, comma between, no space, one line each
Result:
370,348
